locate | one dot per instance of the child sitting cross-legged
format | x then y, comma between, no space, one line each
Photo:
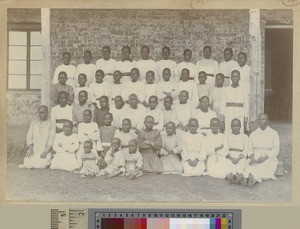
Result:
133,160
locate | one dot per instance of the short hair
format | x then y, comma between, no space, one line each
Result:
70,122
152,72
126,47
184,91
166,47
169,97
83,91
243,53
145,46
106,47
133,95
153,97
118,96
66,53
43,107
220,74
62,93
167,69
202,72
215,119
88,110
149,116
135,141
88,52
168,123
104,97
118,139
236,71
207,47
203,97
63,72
89,142
110,114
82,74
236,120
265,114
194,120
126,119
117,71
101,71
229,50
187,50
135,69
185,69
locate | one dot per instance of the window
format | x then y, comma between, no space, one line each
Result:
24,56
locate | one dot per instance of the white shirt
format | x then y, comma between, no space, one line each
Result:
130,87
71,74
158,116
116,90
209,66
108,67
125,67
182,113
144,66
150,89
136,116
59,112
245,76
89,70
99,89
191,87
116,116
188,65
203,117
169,87
225,68
171,64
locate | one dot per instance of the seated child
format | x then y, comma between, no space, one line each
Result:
126,133
133,160
150,87
171,147
193,150
150,143
156,113
99,88
204,89
117,111
100,112
238,151
89,161
204,115
88,130
82,79
107,132
65,145
167,110
40,139
115,160
116,87
62,112
217,149
61,86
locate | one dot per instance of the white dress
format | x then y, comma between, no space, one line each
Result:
188,65
168,114
217,163
71,74
59,112
133,163
150,89
136,116
158,116
204,119
216,100
245,76
182,113
193,146
209,66
90,164
169,87
108,67
238,144
191,87
125,137
144,66
125,67
116,90
65,148
225,68
262,143
137,88
98,90
204,90
89,70
171,64
116,116
113,162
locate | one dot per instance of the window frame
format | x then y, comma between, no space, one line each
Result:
22,27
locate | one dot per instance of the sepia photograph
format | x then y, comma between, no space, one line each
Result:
172,105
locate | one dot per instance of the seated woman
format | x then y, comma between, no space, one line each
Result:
263,150
40,139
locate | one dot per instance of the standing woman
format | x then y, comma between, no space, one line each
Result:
235,103
126,64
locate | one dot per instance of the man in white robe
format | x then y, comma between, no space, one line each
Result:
227,66
165,62
187,55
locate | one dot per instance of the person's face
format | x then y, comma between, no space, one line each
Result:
87,57
152,103
125,53
115,144
134,75
107,120
119,102
167,103
133,101
43,114
263,121
87,117
105,53
165,54
62,78
207,53
170,129
185,75
99,77
81,80
214,125
202,78
193,126
149,123
62,99
235,127
66,59
87,147
219,81
82,97
235,77
183,97
204,103
166,75
145,53
67,128
227,55
242,59
132,147
117,77
103,103
126,125
187,56
149,78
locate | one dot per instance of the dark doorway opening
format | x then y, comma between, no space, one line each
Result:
279,73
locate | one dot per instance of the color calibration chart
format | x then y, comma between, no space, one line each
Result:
145,219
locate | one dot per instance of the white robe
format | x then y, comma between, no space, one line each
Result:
171,64
136,116
209,66
188,65
150,89
204,90
262,143
137,88
108,67
71,74
216,97
89,70
116,90
245,76
59,112
225,68
116,116
125,67
98,90
169,87
191,87
168,114
182,113
133,163
158,116
204,119
113,162
144,66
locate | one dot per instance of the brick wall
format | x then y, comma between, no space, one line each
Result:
80,30
24,16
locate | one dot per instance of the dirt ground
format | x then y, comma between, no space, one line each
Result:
49,185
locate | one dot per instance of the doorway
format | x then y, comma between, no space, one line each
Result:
279,72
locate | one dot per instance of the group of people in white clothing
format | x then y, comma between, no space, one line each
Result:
132,117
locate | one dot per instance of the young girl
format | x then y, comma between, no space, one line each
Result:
204,89
65,145
115,160
107,132
61,112
217,164
117,111
238,151
100,112
155,113
171,148
89,161
87,68
204,115
125,64
126,133
133,160
116,87
217,95
99,88
150,87
82,80
150,143
193,150
106,64
88,130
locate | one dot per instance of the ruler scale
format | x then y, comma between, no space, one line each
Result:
145,219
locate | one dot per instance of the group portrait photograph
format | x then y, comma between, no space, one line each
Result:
160,105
